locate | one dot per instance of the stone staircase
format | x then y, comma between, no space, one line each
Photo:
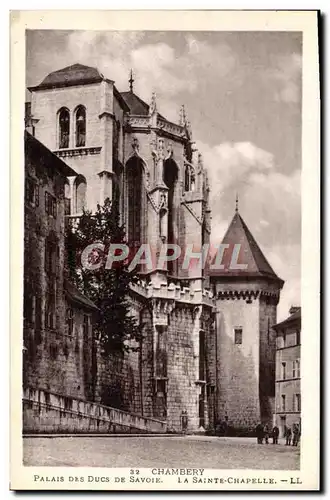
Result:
47,413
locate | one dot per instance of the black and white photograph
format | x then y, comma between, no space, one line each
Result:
162,317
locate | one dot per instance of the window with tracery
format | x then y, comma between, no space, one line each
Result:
189,178
134,176
170,179
80,126
64,128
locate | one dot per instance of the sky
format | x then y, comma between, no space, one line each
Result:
242,94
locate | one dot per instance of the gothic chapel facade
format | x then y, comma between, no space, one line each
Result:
208,350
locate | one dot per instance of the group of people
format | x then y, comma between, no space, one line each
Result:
292,435
263,434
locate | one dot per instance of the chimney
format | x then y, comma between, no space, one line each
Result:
294,309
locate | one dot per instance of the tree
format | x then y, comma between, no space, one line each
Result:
107,288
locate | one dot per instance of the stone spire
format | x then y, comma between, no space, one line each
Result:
153,104
131,81
182,120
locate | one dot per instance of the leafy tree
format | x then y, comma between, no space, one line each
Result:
107,288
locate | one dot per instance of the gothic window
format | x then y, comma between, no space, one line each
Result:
201,355
64,128
81,186
170,180
189,178
283,402
283,371
134,176
80,126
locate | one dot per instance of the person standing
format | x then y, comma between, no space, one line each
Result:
266,433
259,433
288,436
295,439
275,433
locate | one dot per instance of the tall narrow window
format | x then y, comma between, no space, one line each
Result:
297,402
80,126
170,179
134,176
293,369
64,128
283,400
298,367
238,335
201,355
283,371
81,187
298,337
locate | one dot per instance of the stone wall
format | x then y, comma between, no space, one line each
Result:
267,358
45,412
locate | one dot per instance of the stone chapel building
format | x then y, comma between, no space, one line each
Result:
208,350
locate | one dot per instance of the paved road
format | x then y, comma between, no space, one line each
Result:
174,451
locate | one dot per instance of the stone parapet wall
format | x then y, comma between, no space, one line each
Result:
46,412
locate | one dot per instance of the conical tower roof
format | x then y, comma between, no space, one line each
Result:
250,254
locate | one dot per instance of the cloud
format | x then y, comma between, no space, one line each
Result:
269,202
286,76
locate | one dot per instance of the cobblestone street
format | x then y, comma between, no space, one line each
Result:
169,451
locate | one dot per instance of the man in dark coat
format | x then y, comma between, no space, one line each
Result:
288,436
260,433
275,433
296,433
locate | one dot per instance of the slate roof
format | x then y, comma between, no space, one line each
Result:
135,104
250,254
43,156
293,318
76,74
74,295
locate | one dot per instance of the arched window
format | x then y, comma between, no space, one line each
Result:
80,126
134,176
170,179
64,128
189,178
81,187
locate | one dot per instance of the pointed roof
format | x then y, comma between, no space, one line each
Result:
136,105
77,74
250,254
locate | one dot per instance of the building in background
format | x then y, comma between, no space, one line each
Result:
288,389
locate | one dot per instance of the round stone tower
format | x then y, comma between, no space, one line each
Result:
247,292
